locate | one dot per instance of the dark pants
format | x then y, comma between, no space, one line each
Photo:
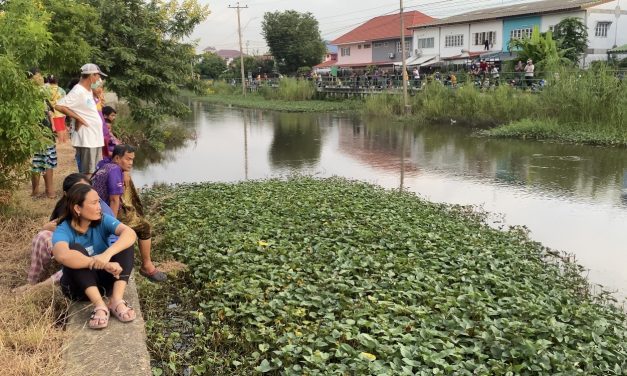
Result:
75,281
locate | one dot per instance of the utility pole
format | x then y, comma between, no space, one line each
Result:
405,97
241,48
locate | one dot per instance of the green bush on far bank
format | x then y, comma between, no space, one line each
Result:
290,89
576,106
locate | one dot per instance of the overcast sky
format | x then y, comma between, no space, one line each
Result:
336,17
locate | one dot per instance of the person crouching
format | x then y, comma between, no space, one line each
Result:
89,263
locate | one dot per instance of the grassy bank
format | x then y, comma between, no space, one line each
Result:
581,107
550,129
291,96
257,101
30,341
329,276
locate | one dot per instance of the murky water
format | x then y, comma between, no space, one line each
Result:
572,198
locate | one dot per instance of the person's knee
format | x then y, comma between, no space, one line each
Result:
144,230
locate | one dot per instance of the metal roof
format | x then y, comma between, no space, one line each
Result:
619,50
538,7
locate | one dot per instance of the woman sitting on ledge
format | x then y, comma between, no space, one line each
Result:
89,263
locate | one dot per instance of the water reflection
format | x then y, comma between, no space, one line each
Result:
297,141
571,197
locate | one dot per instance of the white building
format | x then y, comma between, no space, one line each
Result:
464,36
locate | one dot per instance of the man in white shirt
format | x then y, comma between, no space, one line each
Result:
79,104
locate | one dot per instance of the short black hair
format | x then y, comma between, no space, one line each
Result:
108,110
120,150
32,71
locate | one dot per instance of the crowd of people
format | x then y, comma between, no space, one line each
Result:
482,73
96,222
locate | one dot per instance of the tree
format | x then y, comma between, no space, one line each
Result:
24,40
253,64
141,51
294,39
572,36
541,48
210,66
72,25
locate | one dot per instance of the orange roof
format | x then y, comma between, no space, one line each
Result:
384,27
326,64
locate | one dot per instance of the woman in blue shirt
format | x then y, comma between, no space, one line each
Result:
90,264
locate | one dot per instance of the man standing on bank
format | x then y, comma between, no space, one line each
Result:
79,105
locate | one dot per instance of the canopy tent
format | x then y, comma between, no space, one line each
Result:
499,56
618,50
418,60
434,61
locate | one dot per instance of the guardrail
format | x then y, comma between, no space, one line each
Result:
377,83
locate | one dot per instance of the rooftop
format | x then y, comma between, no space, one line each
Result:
383,27
538,7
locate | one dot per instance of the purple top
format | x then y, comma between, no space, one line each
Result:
108,179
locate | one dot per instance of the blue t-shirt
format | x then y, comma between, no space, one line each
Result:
94,241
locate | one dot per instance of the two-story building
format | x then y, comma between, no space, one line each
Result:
489,31
378,41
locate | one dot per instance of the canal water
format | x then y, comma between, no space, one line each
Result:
572,198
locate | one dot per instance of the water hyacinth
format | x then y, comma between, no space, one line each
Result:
316,277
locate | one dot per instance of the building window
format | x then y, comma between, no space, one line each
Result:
552,28
345,51
480,38
454,40
602,29
359,46
521,33
366,46
426,42
407,46
377,44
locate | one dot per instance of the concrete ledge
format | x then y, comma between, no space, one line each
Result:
119,349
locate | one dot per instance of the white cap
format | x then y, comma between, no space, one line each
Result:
90,69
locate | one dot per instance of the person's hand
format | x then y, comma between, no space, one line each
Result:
114,268
101,260
50,226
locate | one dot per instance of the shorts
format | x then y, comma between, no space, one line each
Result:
143,230
58,124
44,160
87,159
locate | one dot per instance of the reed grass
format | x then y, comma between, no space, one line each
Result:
290,89
576,106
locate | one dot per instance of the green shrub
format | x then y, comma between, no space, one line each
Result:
291,89
21,133
222,87
383,105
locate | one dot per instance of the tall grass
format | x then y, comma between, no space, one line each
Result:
384,105
221,87
31,342
595,96
582,106
290,89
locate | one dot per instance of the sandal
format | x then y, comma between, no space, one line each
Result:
155,276
126,314
101,322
